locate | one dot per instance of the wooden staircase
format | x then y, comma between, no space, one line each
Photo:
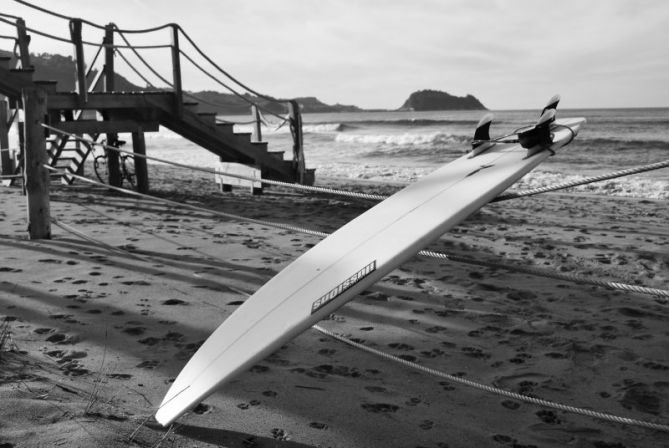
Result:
142,111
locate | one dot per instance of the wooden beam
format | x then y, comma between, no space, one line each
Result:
176,73
111,126
298,140
22,42
256,133
79,61
35,157
109,58
116,100
6,165
141,169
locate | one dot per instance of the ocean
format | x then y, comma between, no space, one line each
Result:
400,147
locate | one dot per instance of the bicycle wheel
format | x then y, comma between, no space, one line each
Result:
101,169
128,168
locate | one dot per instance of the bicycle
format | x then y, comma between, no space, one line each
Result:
126,163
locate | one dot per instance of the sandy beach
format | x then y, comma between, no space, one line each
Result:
93,330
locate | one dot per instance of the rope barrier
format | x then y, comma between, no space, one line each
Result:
228,75
88,22
189,206
238,176
9,16
137,72
574,278
493,390
233,91
587,180
90,239
84,42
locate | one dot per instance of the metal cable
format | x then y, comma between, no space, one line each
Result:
504,393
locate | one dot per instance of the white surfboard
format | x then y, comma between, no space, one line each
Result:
350,260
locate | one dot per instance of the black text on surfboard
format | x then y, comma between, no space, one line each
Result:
343,286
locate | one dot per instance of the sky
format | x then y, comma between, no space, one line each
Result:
510,54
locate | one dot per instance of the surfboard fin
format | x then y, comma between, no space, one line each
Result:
481,140
539,137
552,103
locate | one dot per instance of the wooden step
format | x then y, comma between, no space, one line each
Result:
260,145
99,126
244,136
225,127
4,61
277,154
191,106
25,74
47,85
209,117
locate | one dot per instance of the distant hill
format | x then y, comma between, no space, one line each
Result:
423,100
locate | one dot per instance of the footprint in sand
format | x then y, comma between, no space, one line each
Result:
62,339
426,425
640,397
171,302
202,409
380,408
548,417
134,331
147,365
119,376
376,389
149,341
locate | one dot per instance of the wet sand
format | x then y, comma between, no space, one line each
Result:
92,334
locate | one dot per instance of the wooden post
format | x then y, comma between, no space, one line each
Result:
113,157
141,169
298,140
80,62
176,72
6,165
36,176
20,157
23,41
108,42
256,133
